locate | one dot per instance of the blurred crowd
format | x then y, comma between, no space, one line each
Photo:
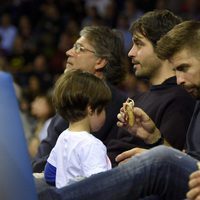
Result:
34,36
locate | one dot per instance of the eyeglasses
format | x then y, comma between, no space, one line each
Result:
78,48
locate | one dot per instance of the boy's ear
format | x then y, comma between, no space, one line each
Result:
100,64
89,110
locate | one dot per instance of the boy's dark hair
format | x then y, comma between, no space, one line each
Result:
75,90
154,24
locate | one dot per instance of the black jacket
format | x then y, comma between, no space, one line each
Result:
170,107
193,134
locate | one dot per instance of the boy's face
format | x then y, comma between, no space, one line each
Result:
145,61
97,120
187,68
81,56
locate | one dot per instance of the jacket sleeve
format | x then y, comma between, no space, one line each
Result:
175,121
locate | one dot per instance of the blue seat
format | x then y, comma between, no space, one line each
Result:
16,180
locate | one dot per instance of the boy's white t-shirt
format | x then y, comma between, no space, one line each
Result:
77,155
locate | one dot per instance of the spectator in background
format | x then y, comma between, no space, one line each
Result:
59,57
190,9
110,15
161,4
41,69
43,110
99,4
3,52
24,112
20,61
92,17
123,26
27,32
72,27
3,63
18,58
8,32
131,11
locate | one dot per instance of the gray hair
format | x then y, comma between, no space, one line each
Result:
108,44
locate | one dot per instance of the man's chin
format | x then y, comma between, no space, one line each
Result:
68,67
141,75
196,94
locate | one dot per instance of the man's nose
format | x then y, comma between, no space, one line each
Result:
70,52
180,78
132,52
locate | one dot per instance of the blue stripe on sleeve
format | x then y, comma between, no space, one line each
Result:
50,174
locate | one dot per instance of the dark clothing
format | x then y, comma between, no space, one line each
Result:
170,107
193,136
58,125
161,171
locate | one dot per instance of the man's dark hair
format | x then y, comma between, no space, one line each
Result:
154,24
185,35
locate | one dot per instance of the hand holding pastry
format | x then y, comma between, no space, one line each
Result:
138,123
128,109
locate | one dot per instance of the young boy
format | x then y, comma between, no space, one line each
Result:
80,98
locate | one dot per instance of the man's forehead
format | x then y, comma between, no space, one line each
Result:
180,56
83,40
184,58
138,36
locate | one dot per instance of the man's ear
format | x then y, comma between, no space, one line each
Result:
100,64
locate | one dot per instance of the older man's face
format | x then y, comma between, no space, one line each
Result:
187,68
81,56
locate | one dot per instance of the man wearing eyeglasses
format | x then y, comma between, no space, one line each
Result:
161,171
100,51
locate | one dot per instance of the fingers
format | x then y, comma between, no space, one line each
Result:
194,194
126,112
124,155
143,126
128,154
194,185
194,179
141,114
120,117
128,109
119,124
124,161
138,112
195,174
